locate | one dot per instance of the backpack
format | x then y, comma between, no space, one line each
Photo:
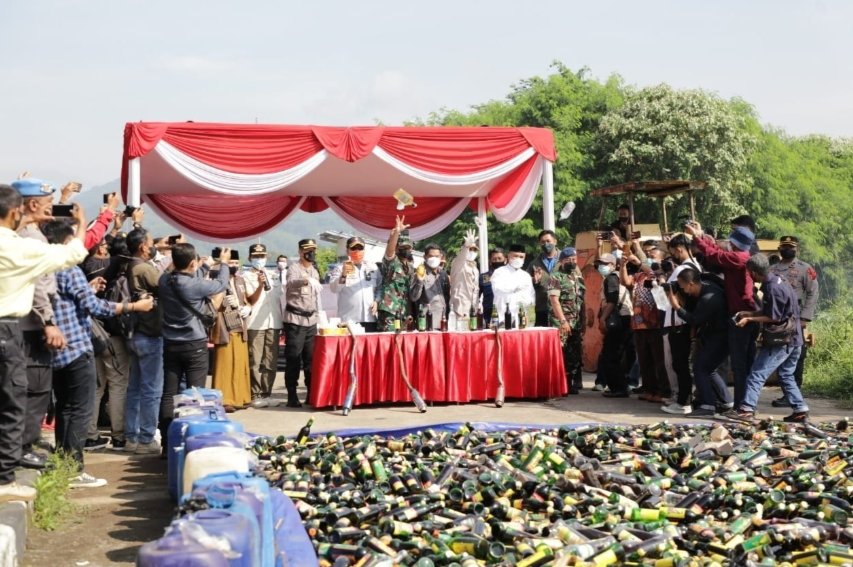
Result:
118,291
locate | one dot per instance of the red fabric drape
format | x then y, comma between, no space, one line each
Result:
457,367
382,213
349,144
506,189
226,218
378,368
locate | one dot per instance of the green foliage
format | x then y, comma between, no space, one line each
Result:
663,133
52,506
324,258
829,366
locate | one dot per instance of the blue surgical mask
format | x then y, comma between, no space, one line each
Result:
258,263
605,270
648,262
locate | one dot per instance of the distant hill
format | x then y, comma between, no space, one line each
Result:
282,240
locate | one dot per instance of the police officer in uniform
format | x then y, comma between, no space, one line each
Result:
803,278
301,303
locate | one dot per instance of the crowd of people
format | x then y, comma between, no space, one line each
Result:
87,309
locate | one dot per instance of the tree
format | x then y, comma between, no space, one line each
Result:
571,104
663,133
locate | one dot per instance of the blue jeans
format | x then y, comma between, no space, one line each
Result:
741,355
144,388
784,360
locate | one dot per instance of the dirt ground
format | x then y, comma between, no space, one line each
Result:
134,508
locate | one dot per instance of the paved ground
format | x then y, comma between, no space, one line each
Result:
134,509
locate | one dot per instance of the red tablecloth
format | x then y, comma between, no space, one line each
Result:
456,367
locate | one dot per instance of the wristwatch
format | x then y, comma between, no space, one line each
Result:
49,323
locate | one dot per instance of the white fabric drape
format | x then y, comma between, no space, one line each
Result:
421,232
222,181
445,179
516,209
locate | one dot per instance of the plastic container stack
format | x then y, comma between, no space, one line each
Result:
662,495
228,516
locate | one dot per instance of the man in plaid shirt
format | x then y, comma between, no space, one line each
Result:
74,376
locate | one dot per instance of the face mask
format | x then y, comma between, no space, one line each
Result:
433,262
517,263
405,254
258,263
282,266
233,270
788,253
570,266
624,220
648,262
548,247
356,256
495,265
604,270
471,256
309,256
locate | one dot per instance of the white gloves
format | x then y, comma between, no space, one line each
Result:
245,311
316,285
470,238
231,301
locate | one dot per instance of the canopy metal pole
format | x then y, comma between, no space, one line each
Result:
692,206
631,206
483,234
134,188
548,196
663,211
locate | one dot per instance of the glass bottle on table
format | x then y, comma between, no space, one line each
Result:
422,318
508,317
472,319
443,326
428,317
493,320
522,317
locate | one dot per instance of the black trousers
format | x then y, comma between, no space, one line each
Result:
543,319
187,360
573,359
680,344
299,352
74,387
613,353
39,384
13,397
649,349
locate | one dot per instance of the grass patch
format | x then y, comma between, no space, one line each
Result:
829,366
52,506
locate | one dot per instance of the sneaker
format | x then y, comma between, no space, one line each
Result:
598,388
14,491
780,403
95,444
130,446
702,412
259,403
272,402
676,408
797,417
152,448
118,445
85,480
737,415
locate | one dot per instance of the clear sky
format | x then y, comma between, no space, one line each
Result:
74,72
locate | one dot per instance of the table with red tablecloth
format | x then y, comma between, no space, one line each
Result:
444,367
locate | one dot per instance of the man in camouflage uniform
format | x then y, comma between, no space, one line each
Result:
565,292
803,278
396,270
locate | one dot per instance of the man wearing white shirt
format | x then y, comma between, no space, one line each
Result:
263,293
512,285
356,283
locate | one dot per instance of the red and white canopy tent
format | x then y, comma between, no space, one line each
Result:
229,182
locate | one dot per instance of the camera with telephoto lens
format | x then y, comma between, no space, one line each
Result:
669,287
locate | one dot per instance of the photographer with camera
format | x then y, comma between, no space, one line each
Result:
677,330
709,318
185,295
738,286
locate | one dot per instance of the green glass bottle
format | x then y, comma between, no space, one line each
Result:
305,433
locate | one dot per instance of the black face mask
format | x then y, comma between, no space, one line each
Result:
309,256
233,270
405,255
495,265
569,267
625,220
788,253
